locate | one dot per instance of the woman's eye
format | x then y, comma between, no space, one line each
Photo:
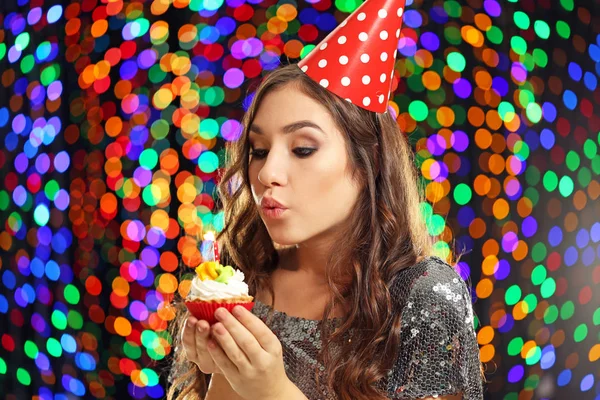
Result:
258,154
304,151
301,152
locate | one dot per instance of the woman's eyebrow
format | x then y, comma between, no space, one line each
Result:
294,126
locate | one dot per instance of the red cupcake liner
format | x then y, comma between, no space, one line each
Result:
206,311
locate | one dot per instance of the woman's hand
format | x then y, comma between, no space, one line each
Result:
195,336
250,355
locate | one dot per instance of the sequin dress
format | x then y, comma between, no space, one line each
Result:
439,354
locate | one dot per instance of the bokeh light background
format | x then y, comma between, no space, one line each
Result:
113,119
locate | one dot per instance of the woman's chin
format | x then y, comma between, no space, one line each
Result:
282,237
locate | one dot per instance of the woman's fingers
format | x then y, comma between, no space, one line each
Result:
222,336
204,360
201,337
265,339
221,359
242,336
188,338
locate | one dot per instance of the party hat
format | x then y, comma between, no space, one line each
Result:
356,60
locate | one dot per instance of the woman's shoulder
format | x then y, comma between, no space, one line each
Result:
439,354
430,280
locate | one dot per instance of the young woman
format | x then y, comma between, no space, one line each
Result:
350,302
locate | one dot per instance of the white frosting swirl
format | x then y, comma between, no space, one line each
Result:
212,290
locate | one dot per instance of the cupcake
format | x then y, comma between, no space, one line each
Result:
217,286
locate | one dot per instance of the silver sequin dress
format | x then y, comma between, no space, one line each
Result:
439,354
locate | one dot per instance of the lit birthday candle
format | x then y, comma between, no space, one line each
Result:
211,236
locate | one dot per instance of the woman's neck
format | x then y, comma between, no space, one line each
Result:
308,261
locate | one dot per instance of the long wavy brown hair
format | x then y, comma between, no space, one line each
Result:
383,236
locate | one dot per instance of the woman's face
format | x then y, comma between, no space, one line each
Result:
298,157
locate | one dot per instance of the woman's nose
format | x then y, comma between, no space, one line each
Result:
273,170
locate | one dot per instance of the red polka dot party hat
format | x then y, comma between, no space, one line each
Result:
356,60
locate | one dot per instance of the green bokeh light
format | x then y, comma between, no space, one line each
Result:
540,57
462,194
580,333
41,215
51,188
212,96
148,377
548,287
550,181
551,314
590,149
515,346
59,320
563,29
521,149
533,355
534,112
53,347
512,295
518,44
347,6
567,310
495,35
539,252
418,110
453,8
566,186
521,20
23,377
27,64
148,159
542,29
22,41
132,350
567,4
149,339
436,225
31,349
306,50
531,302
208,162
573,161
584,176
209,128
160,129
139,27
75,319
505,109
72,295
151,194
538,275
50,74
456,61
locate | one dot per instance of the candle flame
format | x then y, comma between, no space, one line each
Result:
209,236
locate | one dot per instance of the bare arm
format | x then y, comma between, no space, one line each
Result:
220,389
